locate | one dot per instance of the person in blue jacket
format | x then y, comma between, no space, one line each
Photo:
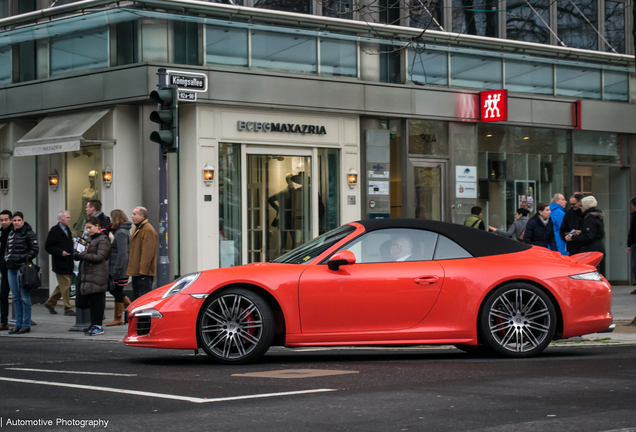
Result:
557,209
539,231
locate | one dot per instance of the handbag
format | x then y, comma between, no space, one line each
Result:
30,276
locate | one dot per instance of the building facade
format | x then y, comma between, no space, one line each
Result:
315,115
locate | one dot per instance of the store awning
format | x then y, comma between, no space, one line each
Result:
58,133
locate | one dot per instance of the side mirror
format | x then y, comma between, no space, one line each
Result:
341,258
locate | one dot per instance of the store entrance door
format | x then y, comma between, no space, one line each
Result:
426,185
278,202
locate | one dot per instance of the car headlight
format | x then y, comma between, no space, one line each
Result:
591,276
182,283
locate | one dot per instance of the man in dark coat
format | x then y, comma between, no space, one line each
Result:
572,221
631,238
7,226
59,244
593,231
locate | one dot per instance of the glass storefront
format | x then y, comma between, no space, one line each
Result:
230,244
83,181
519,167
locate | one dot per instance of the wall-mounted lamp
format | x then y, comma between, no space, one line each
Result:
54,180
107,176
4,184
352,178
208,175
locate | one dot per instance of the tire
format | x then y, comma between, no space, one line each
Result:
236,326
517,320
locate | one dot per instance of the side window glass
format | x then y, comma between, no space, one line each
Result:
448,249
392,245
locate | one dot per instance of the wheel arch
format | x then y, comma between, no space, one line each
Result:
279,338
559,327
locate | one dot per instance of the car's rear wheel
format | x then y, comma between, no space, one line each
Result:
236,326
517,320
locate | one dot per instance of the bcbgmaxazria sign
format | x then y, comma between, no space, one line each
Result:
281,127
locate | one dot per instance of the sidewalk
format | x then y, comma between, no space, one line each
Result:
57,326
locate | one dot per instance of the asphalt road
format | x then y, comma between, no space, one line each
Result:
410,389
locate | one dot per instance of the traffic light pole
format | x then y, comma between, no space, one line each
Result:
163,267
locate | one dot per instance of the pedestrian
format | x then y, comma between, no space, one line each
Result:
539,231
474,220
142,257
22,246
119,235
557,213
94,274
631,238
59,244
517,229
593,231
94,209
6,226
572,221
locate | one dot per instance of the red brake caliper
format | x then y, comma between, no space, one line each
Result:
250,330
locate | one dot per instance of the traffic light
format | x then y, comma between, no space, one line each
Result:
167,117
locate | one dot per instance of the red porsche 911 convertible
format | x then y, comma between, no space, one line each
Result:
379,283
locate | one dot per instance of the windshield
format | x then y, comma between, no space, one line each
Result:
306,253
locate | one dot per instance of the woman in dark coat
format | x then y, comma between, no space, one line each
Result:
539,231
119,235
590,238
94,274
22,246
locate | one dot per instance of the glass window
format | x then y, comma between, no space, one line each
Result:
394,244
337,8
429,67
154,35
305,254
27,61
234,2
127,43
428,137
448,249
328,192
79,51
596,147
83,181
389,64
186,43
300,6
616,86
5,65
482,73
389,11
615,25
338,58
424,14
4,8
476,17
25,6
293,53
229,176
572,27
226,46
578,82
523,24
519,167
526,77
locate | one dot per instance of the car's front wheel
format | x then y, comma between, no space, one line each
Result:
236,326
517,320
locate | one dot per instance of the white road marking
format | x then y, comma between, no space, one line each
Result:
163,395
71,372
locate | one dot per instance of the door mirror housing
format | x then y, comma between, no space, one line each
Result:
341,258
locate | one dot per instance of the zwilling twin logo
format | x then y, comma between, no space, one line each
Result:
494,105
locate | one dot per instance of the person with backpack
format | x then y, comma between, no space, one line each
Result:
518,227
539,229
474,220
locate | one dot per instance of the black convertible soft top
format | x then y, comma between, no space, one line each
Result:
477,242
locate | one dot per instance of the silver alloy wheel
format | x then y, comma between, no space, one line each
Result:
519,320
232,326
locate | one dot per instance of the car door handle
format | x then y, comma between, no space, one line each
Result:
426,280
